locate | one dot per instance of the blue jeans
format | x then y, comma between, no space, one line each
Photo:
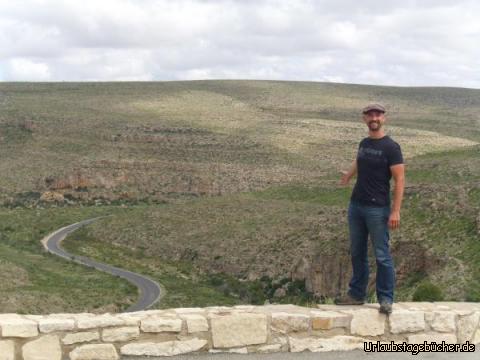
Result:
362,221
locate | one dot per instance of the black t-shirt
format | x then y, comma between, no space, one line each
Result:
374,158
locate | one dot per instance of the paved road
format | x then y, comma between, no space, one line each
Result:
327,355
149,290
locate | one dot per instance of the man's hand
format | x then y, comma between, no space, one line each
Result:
347,175
345,178
394,220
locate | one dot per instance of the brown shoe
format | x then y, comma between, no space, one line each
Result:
348,300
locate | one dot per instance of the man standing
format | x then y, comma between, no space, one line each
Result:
379,158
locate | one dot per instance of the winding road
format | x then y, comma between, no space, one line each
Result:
150,291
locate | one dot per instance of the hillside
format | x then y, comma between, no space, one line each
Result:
227,188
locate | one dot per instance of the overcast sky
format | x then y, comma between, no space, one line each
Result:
408,43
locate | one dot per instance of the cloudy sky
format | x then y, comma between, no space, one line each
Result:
408,43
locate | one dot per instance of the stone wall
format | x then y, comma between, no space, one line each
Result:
239,329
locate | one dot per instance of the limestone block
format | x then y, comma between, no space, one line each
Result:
269,348
402,321
324,320
44,348
165,348
245,307
13,325
80,337
125,333
131,320
467,326
7,350
75,316
236,330
429,316
94,352
191,310
35,318
367,322
476,338
290,322
219,308
195,322
50,324
443,321
161,323
99,321
417,305
336,343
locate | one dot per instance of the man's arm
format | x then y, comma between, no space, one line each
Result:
398,174
347,175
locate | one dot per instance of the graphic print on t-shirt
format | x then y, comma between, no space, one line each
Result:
366,151
374,158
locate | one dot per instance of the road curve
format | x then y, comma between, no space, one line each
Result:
150,291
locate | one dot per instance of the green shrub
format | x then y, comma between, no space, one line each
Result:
426,291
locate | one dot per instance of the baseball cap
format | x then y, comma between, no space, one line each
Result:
373,106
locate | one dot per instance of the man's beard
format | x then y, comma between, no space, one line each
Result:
374,128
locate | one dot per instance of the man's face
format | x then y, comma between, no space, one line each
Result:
374,119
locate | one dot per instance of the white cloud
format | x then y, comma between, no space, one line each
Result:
372,41
26,70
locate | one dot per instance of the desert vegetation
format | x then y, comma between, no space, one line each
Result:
226,191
